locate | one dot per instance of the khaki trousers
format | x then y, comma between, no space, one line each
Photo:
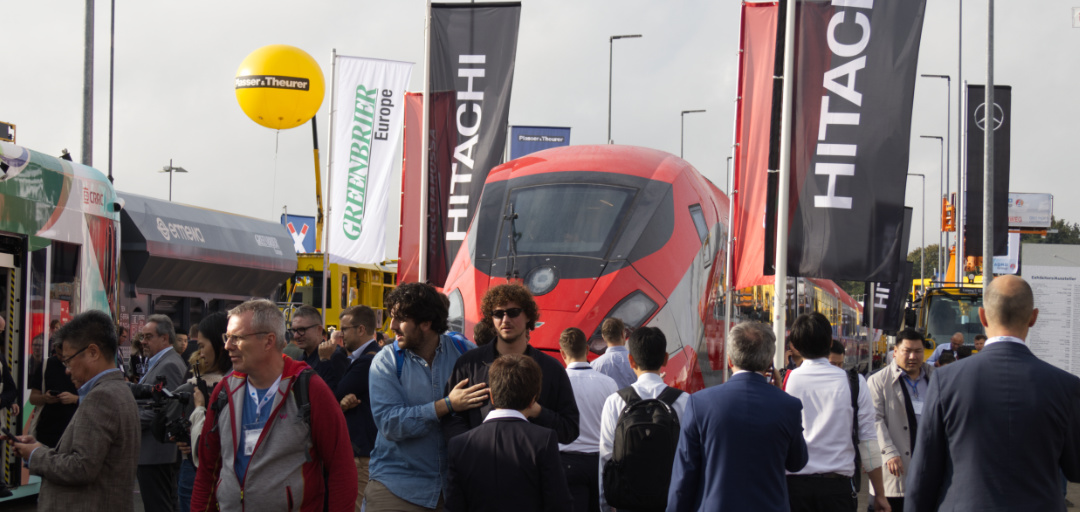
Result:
362,475
380,499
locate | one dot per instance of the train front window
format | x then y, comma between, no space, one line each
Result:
570,219
950,314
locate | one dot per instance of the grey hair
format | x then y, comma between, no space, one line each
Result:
266,317
752,346
163,326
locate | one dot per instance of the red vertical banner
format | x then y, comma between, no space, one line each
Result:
409,237
752,122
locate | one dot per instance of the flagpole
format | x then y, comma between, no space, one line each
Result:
988,153
329,181
425,150
780,284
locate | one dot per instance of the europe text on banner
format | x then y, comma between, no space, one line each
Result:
753,120
472,53
978,117
530,139
855,82
366,116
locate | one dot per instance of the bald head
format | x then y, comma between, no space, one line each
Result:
1009,304
957,339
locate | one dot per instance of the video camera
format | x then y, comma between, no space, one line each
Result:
170,423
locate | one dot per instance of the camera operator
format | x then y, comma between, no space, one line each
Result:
158,461
210,364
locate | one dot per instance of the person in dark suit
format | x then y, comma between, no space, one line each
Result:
358,329
998,430
159,463
738,438
508,463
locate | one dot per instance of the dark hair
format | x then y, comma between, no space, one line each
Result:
909,334
837,348
572,340
483,333
420,303
962,352
613,330
946,357
648,346
515,381
307,312
811,335
90,327
980,337
361,315
516,293
213,327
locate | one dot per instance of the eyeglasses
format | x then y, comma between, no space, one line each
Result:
299,331
67,360
512,313
235,339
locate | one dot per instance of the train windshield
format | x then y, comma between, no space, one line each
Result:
950,314
570,219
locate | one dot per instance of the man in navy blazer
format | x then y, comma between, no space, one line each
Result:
997,430
738,438
358,329
508,463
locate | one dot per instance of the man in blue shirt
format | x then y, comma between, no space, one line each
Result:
409,462
615,362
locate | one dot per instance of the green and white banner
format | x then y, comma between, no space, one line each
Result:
368,110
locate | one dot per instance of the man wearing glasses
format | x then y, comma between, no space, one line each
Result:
259,451
92,466
511,310
358,329
159,463
898,392
327,359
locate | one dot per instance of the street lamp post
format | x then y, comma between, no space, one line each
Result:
682,126
941,191
948,137
611,50
170,169
922,248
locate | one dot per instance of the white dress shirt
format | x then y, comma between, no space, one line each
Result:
648,385
827,415
591,390
505,413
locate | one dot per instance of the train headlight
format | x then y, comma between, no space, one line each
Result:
634,310
456,316
541,280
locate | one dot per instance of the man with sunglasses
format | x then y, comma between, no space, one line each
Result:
327,359
91,467
511,310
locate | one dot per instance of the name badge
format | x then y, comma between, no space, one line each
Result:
917,406
251,438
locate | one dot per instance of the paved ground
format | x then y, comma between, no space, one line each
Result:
28,504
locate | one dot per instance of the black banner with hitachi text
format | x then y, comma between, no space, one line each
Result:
855,82
887,299
473,48
977,118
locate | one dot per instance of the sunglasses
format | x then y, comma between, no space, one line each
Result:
512,313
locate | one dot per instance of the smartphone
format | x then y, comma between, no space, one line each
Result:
7,433
54,392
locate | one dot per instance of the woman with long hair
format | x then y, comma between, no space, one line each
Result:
211,362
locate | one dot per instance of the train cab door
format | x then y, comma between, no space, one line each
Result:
11,264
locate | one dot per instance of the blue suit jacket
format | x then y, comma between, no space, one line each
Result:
996,431
736,441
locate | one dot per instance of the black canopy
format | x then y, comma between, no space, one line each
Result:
171,247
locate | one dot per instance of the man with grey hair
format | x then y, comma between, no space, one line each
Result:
737,439
998,430
266,425
327,359
159,462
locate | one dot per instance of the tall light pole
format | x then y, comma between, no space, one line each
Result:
682,127
170,169
922,248
943,194
611,50
948,139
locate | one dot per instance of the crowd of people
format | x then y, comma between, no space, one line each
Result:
436,422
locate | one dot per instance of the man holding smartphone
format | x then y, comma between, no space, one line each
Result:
92,466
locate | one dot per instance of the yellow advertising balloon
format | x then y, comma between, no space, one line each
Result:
279,86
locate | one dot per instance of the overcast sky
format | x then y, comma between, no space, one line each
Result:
175,63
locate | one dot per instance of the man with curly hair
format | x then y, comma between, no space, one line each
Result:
409,463
511,310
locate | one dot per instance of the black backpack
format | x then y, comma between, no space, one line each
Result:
639,472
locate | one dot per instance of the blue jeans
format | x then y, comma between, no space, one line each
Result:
185,482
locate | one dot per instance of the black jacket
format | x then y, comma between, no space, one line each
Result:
558,408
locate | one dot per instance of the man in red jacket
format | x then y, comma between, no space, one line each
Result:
258,450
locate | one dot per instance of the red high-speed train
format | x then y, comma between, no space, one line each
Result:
604,231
